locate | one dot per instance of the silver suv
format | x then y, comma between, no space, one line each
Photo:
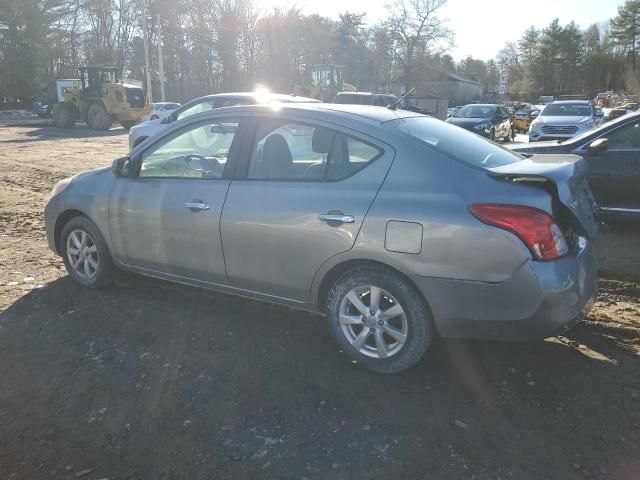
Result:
564,119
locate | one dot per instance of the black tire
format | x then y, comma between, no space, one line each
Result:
64,115
105,271
154,117
127,124
98,118
419,324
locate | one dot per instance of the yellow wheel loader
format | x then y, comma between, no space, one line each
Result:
101,98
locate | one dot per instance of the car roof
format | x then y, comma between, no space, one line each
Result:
363,113
281,97
364,94
583,102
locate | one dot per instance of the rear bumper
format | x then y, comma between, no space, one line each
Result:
539,300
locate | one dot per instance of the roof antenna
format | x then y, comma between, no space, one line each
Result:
397,102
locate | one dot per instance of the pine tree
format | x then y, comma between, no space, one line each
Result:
625,28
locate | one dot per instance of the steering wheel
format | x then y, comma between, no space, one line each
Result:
207,166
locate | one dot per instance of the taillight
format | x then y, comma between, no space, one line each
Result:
536,228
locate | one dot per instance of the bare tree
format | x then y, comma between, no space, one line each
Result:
416,29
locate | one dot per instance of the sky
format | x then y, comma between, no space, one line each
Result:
481,26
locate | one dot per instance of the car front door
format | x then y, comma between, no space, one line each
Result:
303,196
165,219
614,174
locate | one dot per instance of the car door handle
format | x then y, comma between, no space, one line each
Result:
337,217
197,206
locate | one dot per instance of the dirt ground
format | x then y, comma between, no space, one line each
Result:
157,381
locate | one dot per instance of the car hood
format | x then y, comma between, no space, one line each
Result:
560,120
91,173
467,122
569,175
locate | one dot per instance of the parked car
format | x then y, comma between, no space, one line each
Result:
161,110
489,120
139,133
523,118
631,106
564,119
612,153
394,225
614,113
365,98
43,105
452,110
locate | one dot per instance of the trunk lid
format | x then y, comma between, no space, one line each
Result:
565,177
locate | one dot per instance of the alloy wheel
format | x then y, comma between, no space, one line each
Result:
82,254
373,322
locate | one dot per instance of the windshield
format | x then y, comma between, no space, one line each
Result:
476,111
196,108
456,142
567,110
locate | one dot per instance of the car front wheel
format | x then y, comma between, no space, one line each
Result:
85,253
379,319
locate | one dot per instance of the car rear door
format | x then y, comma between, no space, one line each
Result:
301,199
166,218
614,174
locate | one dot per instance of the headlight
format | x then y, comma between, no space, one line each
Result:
60,186
585,124
482,126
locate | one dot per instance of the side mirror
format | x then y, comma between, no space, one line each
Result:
598,146
121,167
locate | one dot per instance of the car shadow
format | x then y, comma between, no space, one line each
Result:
243,387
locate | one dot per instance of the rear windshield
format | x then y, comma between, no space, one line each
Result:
476,111
456,142
567,110
353,99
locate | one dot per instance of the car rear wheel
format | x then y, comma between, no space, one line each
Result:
379,319
85,253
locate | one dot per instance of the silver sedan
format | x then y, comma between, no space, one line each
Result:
395,226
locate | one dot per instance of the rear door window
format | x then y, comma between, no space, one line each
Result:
304,152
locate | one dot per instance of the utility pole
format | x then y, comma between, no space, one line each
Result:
146,52
160,61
